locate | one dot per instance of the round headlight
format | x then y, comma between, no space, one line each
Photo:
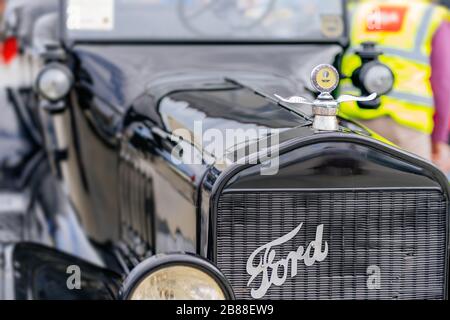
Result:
176,277
54,82
377,78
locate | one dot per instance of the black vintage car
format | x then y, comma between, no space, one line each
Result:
144,201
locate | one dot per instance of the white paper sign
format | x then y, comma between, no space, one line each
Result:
95,15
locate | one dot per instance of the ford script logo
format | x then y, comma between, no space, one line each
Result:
276,272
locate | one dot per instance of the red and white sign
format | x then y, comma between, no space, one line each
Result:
386,18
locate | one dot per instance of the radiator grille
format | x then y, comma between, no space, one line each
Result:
398,238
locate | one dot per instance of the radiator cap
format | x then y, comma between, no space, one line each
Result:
325,79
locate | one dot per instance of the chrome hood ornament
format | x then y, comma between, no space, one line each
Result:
325,79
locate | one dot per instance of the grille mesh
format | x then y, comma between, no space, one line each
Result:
401,233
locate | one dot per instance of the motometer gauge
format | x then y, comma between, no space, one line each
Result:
325,78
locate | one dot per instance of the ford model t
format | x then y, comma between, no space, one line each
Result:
181,151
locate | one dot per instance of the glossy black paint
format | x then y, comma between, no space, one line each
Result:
112,91
36,272
120,73
343,165
339,161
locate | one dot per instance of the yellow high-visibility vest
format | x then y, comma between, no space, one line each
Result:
404,31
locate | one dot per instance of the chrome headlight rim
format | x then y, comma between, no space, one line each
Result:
162,261
368,69
52,67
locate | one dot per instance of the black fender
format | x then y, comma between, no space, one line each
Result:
35,272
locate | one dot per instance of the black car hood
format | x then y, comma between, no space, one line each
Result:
223,106
223,87
120,73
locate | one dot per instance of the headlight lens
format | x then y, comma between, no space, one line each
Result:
176,277
178,283
54,82
378,78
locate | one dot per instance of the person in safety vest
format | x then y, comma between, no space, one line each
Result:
414,36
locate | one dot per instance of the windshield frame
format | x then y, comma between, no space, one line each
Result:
343,41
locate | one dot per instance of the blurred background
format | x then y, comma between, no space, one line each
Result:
431,142
415,39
